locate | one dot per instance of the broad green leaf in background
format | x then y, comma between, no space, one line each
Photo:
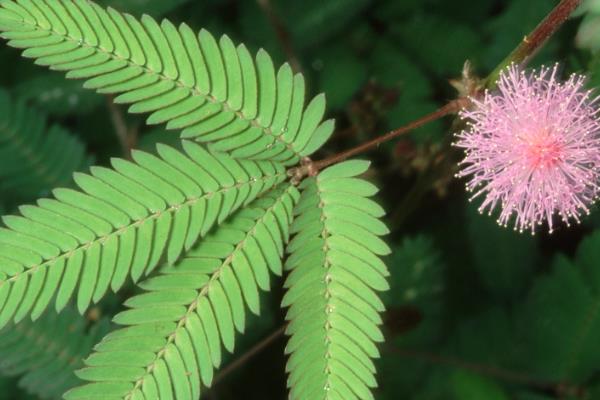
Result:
312,21
587,35
413,86
420,277
34,157
415,313
407,77
44,354
453,43
56,95
505,30
458,384
559,323
393,11
341,74
472,386
486,338
503,259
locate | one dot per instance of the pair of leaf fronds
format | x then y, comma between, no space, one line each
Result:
34,158
191,309
209,224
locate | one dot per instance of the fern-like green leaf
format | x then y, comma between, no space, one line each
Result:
34,160
45,353
334,311
122,222
176,328
212,90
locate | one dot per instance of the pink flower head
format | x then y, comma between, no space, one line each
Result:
533,148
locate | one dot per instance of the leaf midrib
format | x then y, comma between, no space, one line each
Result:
327,295
203,292
101,239
326,282
82,42
328,327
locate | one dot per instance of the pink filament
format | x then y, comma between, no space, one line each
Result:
532,148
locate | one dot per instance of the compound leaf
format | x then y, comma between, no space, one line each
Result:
335,272
122,221
191,309
213,91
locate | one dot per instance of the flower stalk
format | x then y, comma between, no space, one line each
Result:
531,43
520,55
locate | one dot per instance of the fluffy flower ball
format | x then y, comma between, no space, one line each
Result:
532,148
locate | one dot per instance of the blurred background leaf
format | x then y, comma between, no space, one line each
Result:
503,258
56,95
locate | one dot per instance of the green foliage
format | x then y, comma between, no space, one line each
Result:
214,92
190,309
129,219
311,21
34,158
405,75
44,354
187,232
333,308
117,226
414,90
342,75
472,386
549,337
503,259
461,384
454,42
517,18
587,35
415,310
7,385
55,95
420,280
560,320
156,136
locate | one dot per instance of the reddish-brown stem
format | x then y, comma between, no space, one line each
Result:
127,137
256,349
521,54
536,39
545,29
450,108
